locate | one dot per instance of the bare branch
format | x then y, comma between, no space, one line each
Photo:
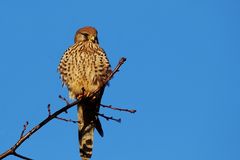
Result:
118,109
67,120
64,99
60,118
49,110
21,156
24,129
109,118
24,137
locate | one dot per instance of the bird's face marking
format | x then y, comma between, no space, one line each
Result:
86,34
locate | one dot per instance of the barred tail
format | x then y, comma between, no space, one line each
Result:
85,131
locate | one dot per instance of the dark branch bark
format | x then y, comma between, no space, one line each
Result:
24,129
24,137
118,109
64,99
21,156
110,118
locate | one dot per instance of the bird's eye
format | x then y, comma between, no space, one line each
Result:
85,34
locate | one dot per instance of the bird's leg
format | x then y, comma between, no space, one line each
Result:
80,96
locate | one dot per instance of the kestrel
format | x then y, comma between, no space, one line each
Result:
84,68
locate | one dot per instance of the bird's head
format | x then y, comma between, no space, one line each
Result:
86,34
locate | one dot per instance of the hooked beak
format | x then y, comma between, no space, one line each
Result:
91,38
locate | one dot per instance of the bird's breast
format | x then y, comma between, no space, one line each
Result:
83,69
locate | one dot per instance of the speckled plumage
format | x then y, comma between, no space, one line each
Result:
85,65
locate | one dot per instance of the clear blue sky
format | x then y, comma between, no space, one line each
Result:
182,76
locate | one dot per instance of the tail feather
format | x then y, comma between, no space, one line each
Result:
87,122
99,127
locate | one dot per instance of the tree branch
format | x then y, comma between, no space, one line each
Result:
109,118
24,137
21,156
64,99
118,109
24,129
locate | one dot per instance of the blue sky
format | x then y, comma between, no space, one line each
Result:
182,76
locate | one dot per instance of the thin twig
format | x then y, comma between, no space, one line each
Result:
12,150
67,120
60,118
118,109
49,110
24,129
21,156
110,118
64,99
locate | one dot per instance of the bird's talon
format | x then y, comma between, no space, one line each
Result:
80,96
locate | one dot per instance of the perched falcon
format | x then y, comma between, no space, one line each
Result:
84,67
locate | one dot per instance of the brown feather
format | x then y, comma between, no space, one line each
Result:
85,65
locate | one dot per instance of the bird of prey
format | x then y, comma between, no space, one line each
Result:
83,68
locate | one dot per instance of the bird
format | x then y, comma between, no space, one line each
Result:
84,68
